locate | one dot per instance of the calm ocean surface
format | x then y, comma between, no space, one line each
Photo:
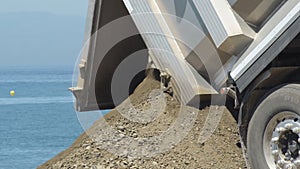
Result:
39,121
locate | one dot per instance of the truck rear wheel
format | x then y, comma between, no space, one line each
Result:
274,131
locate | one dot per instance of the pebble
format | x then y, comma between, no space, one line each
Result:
125,162
134,135
187,162
154,163
100,167
121,128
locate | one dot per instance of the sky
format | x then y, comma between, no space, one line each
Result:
59,7
41,32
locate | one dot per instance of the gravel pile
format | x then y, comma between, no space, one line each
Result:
154,132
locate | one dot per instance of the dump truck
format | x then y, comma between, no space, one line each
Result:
247,51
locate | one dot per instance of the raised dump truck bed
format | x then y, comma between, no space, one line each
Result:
206,45
245,49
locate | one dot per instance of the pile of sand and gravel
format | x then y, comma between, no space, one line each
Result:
98,148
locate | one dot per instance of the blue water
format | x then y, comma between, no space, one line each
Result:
39,121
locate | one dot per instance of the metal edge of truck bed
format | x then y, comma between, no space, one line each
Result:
270,54
258,56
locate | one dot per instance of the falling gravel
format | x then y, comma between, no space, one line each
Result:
152,130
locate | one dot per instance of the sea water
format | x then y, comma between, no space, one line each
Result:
39,121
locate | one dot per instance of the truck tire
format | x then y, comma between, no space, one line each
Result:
273,139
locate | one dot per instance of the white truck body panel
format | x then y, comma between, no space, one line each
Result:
266,36
184,38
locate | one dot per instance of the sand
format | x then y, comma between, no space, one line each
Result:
164,134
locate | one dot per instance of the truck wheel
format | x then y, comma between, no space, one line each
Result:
274,131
